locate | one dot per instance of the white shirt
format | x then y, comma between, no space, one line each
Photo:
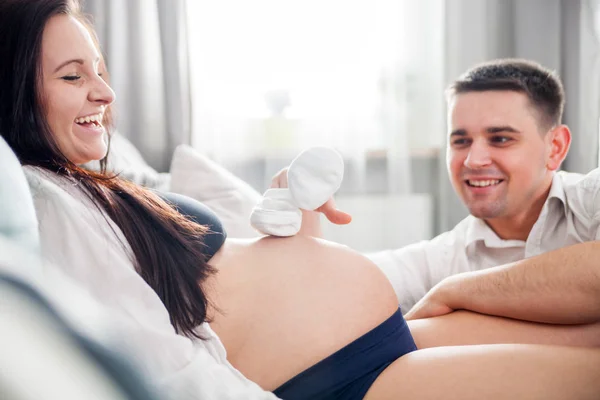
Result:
570,215
90,249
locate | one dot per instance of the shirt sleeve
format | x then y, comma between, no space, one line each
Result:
85,249
408,270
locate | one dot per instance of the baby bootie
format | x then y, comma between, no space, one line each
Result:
313,177
276,214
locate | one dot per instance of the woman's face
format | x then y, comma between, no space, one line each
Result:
75,95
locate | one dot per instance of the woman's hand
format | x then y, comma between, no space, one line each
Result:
329,209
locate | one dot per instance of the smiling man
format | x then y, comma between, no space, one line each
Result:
506,143
503,149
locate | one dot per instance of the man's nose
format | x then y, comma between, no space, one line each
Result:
479,156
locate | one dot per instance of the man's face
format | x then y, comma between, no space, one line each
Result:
497,153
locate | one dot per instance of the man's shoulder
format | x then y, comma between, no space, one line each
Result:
569,179
576,185
582,192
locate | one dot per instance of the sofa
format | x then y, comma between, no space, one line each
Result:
56,342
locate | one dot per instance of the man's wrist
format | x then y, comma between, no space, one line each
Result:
450,292
311,224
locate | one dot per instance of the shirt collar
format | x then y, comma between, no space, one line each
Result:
557,191
478,230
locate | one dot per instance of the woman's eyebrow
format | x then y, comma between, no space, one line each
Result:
79,61
64,64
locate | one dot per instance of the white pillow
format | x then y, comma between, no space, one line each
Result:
193,175
232,199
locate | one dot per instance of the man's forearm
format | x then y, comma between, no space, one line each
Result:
562,286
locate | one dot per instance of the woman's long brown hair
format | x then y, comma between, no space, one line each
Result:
167,247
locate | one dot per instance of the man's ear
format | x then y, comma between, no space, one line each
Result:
557,141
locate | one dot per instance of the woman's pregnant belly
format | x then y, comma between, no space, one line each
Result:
284,304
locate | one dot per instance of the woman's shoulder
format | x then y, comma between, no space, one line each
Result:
41,180
51,190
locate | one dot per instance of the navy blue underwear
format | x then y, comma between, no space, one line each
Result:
349,372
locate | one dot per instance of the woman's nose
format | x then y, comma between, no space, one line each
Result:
102,92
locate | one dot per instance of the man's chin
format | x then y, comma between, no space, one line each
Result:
485,212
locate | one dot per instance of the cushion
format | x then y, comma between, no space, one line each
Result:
192,175
230,198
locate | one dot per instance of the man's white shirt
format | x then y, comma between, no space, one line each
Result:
570,215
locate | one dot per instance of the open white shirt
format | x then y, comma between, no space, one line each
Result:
570,215
89,248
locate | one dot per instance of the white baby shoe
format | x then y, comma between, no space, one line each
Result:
276,214
313,177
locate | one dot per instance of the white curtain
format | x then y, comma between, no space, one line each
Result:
264,79
272,77
145,45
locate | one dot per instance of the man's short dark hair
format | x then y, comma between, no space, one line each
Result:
541,85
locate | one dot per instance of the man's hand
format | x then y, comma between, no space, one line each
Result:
334,215
280,179
329,209
433,304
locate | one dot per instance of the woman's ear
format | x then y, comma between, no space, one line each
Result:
558,141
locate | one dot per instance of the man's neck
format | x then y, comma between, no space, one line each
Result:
518,227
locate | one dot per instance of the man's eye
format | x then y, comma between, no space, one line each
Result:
71,77
500,139
459,142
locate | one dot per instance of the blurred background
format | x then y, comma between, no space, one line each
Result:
252,83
